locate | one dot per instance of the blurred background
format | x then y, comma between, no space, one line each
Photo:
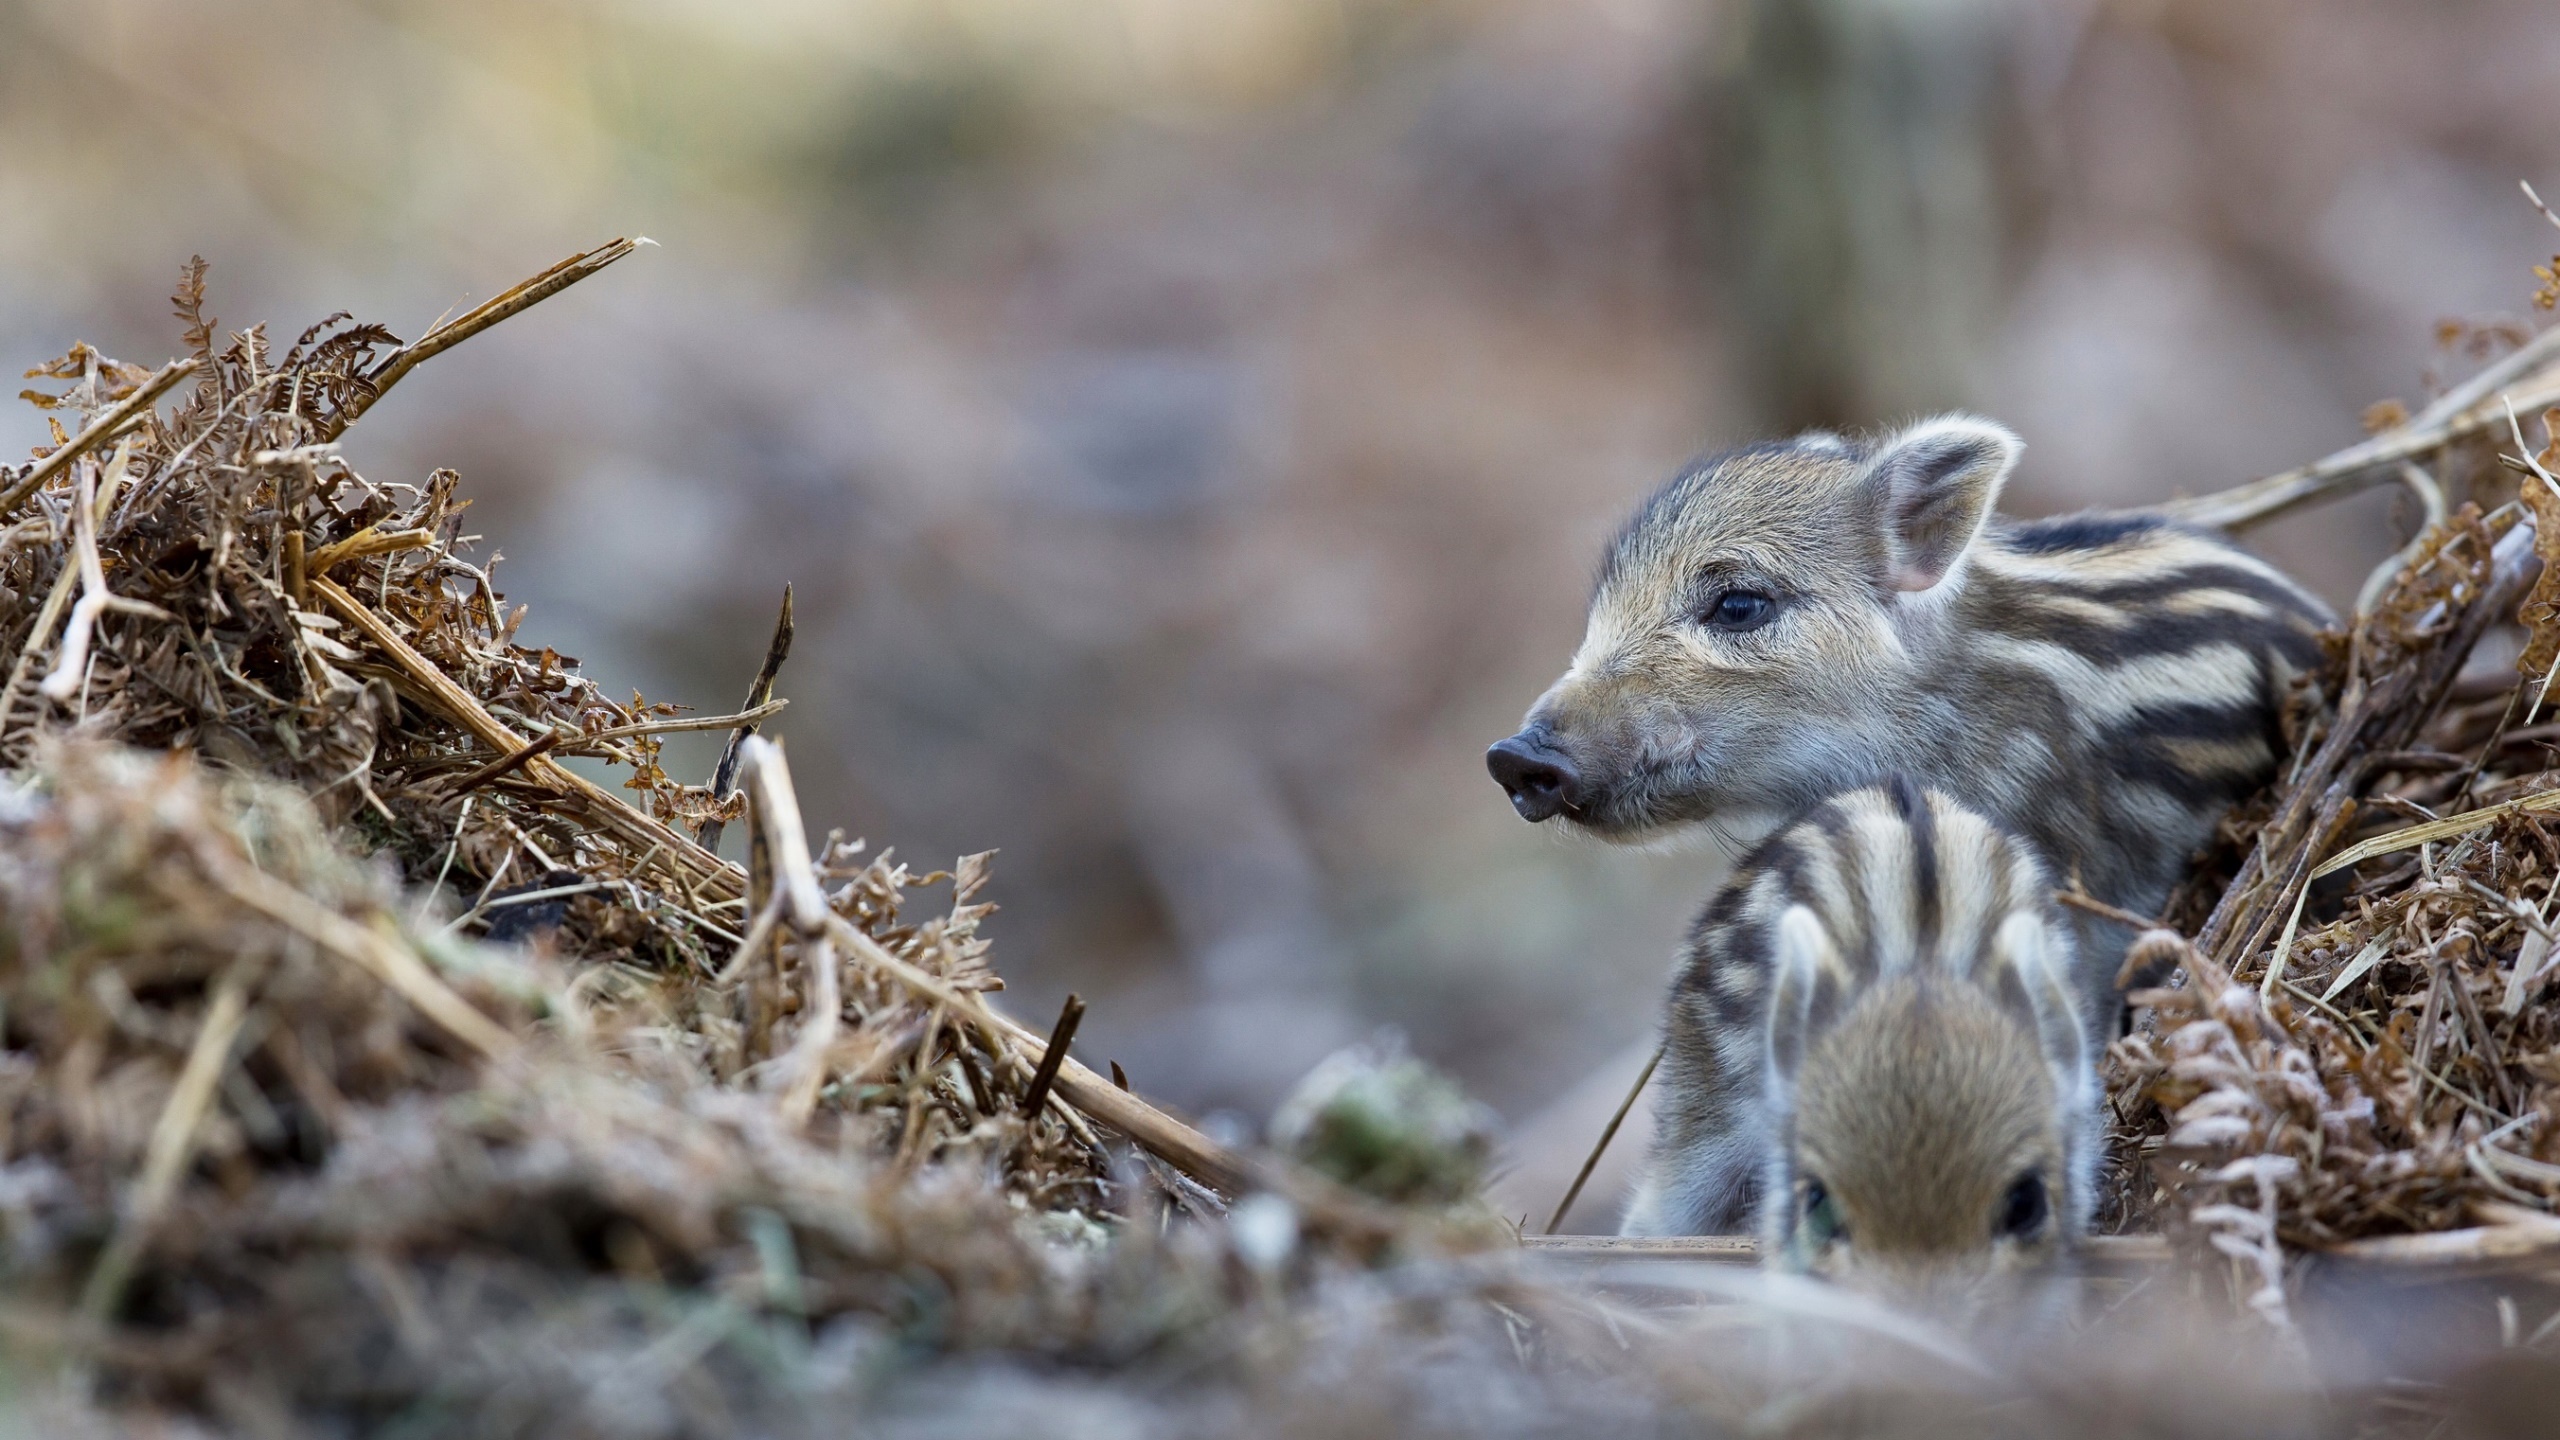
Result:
1191,427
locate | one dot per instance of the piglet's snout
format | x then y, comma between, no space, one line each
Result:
1950,1293
1541,779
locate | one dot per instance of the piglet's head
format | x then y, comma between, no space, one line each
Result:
1939,1123
1751,634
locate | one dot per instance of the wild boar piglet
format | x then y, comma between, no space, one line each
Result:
1878,1041
1791,620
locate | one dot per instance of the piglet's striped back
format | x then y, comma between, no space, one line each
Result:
2123,675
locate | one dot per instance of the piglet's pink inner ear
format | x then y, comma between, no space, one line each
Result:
1936,483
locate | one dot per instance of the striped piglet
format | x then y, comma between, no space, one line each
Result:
1878,1039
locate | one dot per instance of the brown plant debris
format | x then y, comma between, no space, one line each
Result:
2361,1040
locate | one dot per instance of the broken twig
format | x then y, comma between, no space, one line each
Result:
724,777
1600,1146
1062,1035
453,332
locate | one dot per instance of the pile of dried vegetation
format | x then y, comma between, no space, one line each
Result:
2357,1050
284,1134
365,1069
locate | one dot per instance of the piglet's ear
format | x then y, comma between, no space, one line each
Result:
1935,484
1805,988
2034,962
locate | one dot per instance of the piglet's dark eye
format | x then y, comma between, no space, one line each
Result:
1740,610
2023,1212
1822,1220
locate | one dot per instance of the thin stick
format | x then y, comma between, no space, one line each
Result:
724,778
2098,1254
2459,414
448,334
764,999
113,422
1710,1249
2104,911
926,986
556,892
570,742
2377,581
824,1018
1179,1145
757,937
796,885
1591,1162
2529,194
445,869
507,763
173,1144
2514,558
577,742
2541,802
2485,1244
778,811
1061,1035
